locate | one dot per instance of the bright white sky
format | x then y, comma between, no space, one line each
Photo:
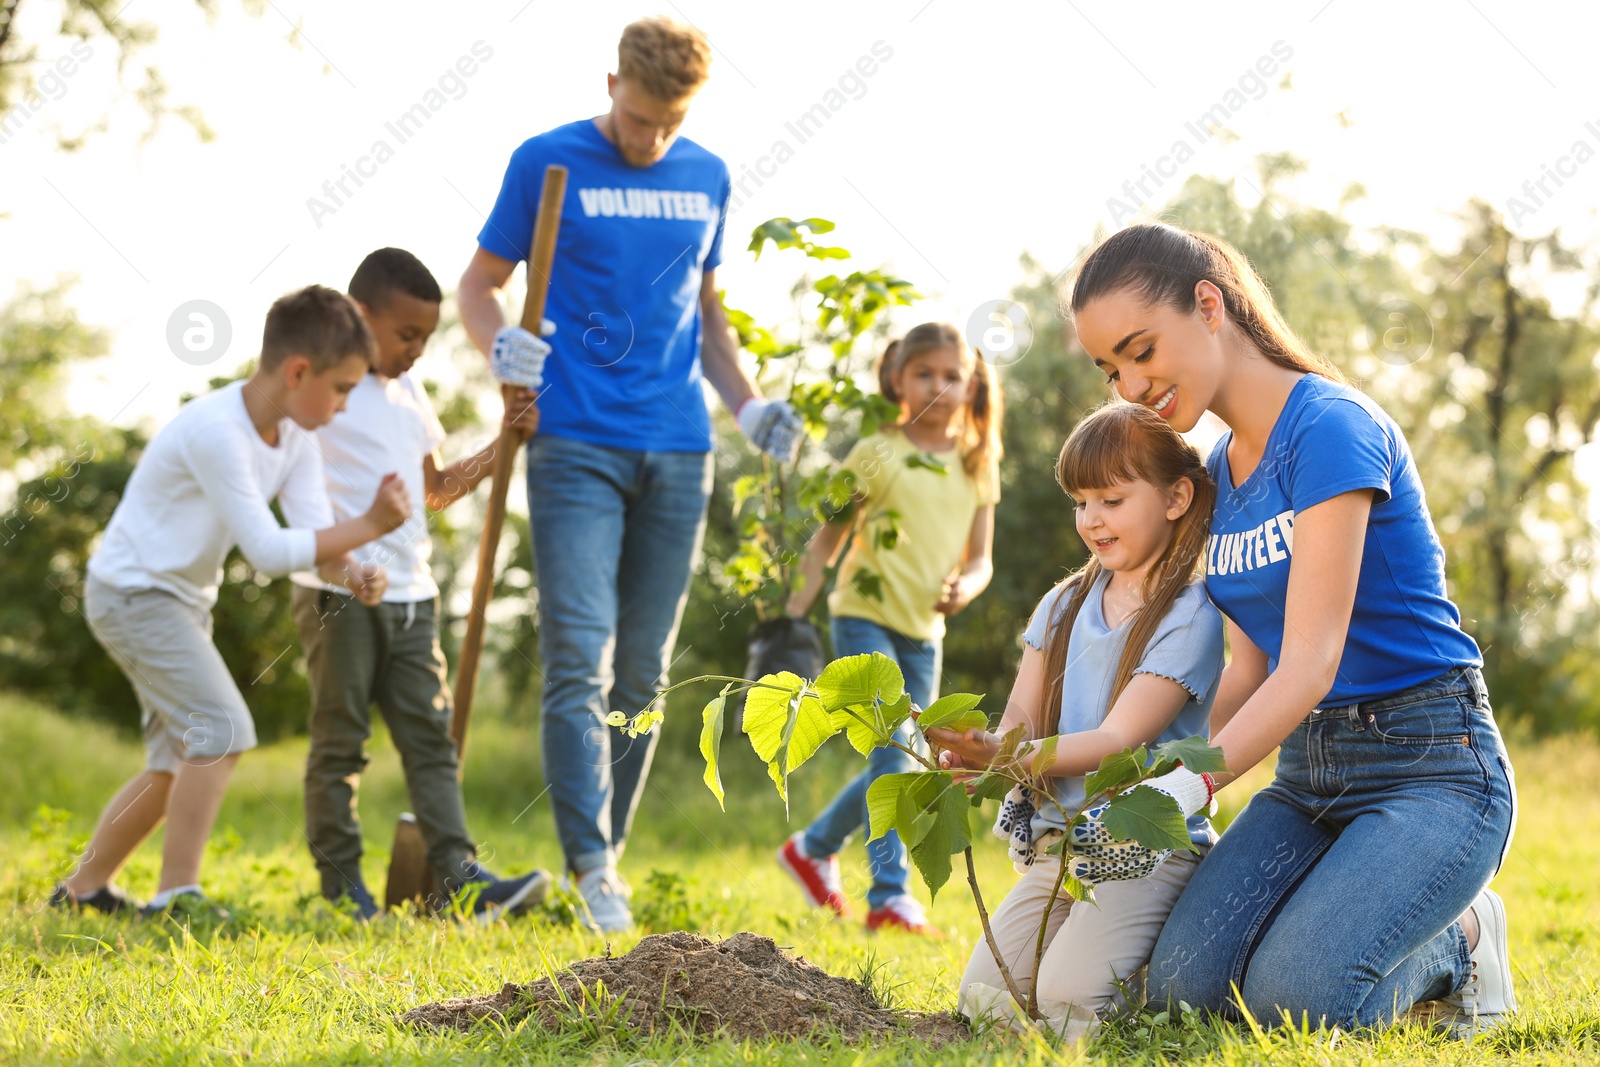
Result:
981,137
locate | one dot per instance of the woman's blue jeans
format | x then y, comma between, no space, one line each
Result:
919,661
615,533
1334,895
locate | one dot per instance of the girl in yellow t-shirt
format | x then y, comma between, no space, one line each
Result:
923,524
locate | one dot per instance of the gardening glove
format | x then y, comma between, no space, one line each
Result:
517,356
1098,857
1014,825
1120,862
772,426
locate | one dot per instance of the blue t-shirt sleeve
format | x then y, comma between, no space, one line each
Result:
714,255
1187,647
508,231
1339,446
1039,626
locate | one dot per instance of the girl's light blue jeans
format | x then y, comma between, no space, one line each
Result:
1335,893
919,661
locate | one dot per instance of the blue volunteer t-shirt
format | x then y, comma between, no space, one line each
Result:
1186,648
1331,439
624,367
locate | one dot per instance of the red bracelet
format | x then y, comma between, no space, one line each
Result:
1211,787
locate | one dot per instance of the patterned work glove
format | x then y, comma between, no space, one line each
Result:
1098,857
517,356
772,426
1014,825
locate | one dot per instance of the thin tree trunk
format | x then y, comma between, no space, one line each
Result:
1044,925
988,935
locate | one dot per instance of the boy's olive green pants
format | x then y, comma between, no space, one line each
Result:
389,655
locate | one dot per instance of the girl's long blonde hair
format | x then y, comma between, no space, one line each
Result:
1123,442
980,433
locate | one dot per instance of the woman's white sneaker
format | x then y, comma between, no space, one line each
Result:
1486,998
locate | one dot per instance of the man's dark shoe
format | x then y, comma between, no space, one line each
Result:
108,898
356,896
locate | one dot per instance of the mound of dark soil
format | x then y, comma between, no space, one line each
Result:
745,987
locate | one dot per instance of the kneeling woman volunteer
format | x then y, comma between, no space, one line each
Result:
1353,886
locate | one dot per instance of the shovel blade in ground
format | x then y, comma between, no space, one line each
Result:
411,876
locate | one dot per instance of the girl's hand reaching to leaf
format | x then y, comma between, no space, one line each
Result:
959,771
976,748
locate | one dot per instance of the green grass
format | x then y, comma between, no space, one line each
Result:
288,980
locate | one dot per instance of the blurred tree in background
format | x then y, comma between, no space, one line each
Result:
85,29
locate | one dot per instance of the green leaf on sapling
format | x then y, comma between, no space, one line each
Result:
883,798
859,680
811,727
711,742
949,834
1195,753
785,726
1079,891
1160,767
1005,758
766,711
779,231
1149,817
954,711
744,488
1044,755
989,786
870,726
911,823
1117,770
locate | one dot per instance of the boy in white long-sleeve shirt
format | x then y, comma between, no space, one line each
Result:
203,485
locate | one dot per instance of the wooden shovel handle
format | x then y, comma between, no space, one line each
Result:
540,259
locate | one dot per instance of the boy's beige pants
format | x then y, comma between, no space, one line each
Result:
1093,951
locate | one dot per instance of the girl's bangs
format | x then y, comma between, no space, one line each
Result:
1102,458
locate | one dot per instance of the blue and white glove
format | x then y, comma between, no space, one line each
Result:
1014,826
1098,857
772,426
517,356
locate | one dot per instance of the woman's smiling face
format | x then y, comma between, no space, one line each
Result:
1166,359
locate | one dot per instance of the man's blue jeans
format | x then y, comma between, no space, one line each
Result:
919,661
615,535
1335,893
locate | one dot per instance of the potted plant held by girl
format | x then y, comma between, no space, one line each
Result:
779,508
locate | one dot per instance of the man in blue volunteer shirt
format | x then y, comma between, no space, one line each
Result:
620,471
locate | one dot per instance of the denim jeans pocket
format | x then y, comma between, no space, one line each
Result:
1438,720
